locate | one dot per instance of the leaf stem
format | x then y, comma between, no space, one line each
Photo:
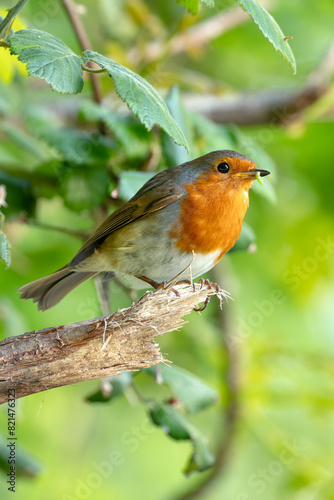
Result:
6,23
71,10
4,44
91,70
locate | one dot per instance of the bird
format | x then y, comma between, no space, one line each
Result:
187,214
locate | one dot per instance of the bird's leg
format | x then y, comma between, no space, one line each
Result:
157,284
174,281
207,300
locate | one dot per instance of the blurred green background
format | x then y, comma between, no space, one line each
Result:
280,327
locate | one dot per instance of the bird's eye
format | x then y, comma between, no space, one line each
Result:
223,168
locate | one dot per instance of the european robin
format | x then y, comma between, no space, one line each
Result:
189,213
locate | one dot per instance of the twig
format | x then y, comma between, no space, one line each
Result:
84,42
72,232
64,355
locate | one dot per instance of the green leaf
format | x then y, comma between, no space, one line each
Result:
270,29
194,5
143,100
130,182
179,427
118,385
191,5
84,188
48,58
172,421
202,458
190,390
5,254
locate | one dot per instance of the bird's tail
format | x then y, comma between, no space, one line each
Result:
50,290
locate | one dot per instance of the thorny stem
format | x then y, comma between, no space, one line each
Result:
83,39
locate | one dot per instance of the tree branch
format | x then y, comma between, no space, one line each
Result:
193,39
101,347
84,42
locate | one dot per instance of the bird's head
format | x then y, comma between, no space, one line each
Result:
232,169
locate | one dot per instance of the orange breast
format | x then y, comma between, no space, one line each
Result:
211,215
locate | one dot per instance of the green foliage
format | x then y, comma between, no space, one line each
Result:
179,427
26,466
6,23
190,391
194,5
270,29
49,58
61,157
190,395
116,385
143,100
84,188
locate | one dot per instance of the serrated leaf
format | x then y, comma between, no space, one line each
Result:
190,390
84,188
142,99
5,254
47,57
270,29
130,182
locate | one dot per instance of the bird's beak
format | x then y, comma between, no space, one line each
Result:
253,173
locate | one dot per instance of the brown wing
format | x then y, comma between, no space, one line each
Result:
156,194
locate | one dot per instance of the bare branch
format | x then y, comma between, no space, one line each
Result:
72,12
101,347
